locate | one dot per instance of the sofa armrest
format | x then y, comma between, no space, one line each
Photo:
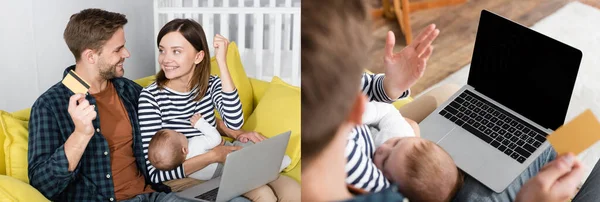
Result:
12,189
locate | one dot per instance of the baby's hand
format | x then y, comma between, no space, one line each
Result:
195,119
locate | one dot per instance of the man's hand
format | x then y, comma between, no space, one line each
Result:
222,151
403,69
82,114
252,136
556,181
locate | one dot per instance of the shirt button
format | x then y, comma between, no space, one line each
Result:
105,153
111,199
97,129
107,175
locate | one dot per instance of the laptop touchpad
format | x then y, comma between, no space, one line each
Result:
465,149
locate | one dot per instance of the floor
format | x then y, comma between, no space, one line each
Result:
458,25
576,25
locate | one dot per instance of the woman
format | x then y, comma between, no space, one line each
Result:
184,87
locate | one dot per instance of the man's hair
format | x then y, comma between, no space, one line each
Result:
426,176
334,52
90,29
164,151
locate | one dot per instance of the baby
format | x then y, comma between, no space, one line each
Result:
169,149
421,168
386,122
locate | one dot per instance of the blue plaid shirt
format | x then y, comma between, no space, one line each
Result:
49,127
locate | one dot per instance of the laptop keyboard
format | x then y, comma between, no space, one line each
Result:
495,126
209,196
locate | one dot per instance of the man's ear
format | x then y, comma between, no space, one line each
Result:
199,57
89,56
358,109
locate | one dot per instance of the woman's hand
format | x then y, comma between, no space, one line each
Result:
220,44
252,136
556,181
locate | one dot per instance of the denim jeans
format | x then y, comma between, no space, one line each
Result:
473,190
170,197
590,191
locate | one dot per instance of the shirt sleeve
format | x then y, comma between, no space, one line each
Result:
390,123
211,137
372,86
228,104
48,165
151,122
360,169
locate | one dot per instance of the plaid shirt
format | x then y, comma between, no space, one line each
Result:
49,127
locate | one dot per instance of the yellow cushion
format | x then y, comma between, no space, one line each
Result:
258,88
15,145
2,135
146,81
22,114
279,111
239,77
12,189
402,102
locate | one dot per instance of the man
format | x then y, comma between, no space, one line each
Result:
333,54
88,147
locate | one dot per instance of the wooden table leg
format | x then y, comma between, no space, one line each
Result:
402,11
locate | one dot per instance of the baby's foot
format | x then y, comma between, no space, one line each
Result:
195,119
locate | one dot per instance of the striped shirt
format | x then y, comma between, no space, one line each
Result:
168,109
360,169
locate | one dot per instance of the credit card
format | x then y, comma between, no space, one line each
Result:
577,135
75,83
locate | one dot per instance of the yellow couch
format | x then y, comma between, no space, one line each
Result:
279,100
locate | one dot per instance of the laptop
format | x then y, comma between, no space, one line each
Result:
243,171
518,91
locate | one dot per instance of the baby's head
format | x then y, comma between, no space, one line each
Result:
167,149
423,170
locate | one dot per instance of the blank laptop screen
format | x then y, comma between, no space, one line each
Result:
523,70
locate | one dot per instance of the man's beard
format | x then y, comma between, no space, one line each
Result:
109,72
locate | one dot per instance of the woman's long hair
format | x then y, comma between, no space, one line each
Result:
193,33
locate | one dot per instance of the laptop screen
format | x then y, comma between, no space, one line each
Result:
528,72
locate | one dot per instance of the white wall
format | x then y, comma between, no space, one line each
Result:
33,54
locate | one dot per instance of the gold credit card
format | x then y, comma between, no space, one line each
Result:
75,83
577,135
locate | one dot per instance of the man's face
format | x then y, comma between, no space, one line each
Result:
112,56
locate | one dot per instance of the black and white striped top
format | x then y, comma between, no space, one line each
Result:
169,109
360,149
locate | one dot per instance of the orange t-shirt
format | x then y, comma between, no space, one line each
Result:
116,129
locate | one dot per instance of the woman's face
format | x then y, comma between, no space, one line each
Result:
177,57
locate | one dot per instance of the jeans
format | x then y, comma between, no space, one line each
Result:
170,197
473,190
